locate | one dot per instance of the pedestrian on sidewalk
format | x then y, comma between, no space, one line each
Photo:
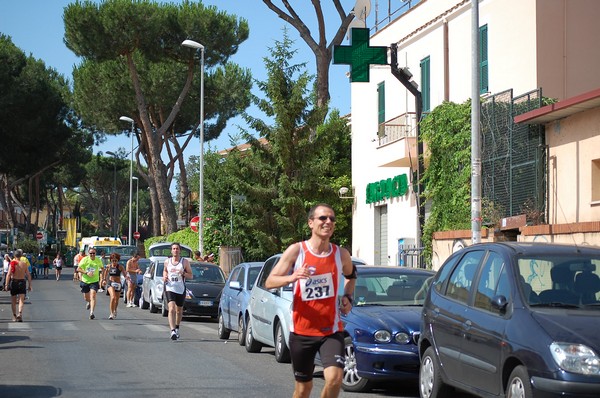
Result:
46,266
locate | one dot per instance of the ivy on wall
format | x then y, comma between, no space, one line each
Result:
446,131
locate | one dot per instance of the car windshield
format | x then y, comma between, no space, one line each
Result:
560,280
105,250
165,251
390,289
125,250
207,273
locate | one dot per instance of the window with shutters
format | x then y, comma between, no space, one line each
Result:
381,109
483,60
425,84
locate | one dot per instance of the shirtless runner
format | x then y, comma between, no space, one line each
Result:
15,281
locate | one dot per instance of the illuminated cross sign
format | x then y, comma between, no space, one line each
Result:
359,55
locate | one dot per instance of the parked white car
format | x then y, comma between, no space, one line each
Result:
270,314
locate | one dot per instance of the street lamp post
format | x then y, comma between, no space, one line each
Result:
200,48
114,192
137,205
130,120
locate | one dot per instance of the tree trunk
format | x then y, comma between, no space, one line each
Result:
156,167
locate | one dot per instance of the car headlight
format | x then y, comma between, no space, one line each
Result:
575,358
160,287
403,338
188,294
382,336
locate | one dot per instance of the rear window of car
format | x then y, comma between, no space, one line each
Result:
205,273
560,278
165,251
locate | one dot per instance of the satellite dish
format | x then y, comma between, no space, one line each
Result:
356,23
362,9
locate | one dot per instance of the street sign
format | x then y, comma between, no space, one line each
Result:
136,235
194,223
39,236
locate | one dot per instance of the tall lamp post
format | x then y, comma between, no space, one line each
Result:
137,205
200,48
130,120
114,192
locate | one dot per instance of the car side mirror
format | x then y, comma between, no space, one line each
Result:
235,285
500,302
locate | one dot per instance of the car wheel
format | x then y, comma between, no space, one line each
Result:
222,331
144,304
164,310
518,384
241,330
352,381
153,308
282,352
430,378
251,344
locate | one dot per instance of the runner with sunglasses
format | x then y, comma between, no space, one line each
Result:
318,266
90,268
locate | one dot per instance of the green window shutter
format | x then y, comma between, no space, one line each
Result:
426,84
483,60
380,108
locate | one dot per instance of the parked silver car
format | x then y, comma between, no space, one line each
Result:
270,315
153,286
233,308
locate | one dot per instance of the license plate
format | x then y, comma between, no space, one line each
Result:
205,303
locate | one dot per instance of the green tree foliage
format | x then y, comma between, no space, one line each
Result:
134,65
296,162
39,130
446,131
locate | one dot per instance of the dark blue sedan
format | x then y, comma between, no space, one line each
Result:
384,325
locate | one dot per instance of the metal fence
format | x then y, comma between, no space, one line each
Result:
513,156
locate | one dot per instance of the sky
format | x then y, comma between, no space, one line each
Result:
36,27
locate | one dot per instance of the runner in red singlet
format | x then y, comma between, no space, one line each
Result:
318,267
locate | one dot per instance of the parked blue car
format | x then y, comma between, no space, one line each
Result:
514,320
383,328
233,306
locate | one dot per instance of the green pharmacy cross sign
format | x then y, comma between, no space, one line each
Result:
359,55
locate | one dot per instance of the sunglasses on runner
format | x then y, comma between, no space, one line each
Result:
324,218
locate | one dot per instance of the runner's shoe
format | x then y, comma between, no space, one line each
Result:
174,335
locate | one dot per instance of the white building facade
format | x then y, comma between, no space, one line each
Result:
524,44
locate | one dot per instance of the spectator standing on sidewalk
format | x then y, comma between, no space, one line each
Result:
46,266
